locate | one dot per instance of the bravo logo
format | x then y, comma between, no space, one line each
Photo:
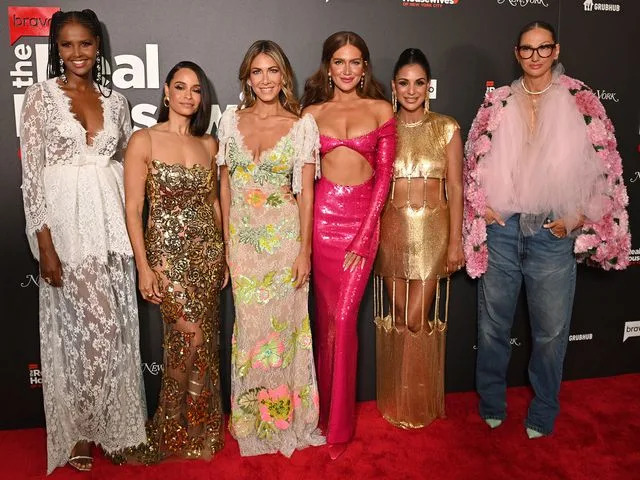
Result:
29,22
631,329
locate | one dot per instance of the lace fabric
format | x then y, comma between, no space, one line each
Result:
73,188
92,382
274,396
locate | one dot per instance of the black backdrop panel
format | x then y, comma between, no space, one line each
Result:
470,47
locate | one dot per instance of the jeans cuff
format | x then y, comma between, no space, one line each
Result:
538,428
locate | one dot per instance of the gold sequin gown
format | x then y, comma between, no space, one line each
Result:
413,247
185,249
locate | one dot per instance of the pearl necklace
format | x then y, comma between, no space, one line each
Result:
535,93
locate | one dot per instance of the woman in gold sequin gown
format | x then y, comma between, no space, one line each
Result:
180,264
420,244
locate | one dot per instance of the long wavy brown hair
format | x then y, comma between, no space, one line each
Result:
287,96
316,88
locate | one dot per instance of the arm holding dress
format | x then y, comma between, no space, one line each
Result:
136,164
305,169
225,180
453,150
385,156
32,147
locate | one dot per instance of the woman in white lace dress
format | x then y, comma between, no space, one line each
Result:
73,133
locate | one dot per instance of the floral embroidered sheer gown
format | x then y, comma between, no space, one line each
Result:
274,396
413,250
185,250
72,184
345,218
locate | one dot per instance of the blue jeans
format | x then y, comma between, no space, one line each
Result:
548,267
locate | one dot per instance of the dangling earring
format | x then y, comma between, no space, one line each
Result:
394,101
426,104
165,101
362,82
63,77
330,82
98,67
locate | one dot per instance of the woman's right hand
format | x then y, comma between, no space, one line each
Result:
50,267
149,286
492,217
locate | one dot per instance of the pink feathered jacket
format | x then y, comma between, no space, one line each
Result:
605,243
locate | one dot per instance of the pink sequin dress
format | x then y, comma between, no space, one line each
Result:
346,218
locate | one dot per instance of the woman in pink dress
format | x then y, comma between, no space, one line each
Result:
357,146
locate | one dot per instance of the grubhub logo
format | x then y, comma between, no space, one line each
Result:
428,3
29,22
35,375
631,329
591,6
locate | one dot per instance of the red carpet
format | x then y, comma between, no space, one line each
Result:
597,437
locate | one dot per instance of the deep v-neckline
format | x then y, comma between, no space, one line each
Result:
72,115
243,146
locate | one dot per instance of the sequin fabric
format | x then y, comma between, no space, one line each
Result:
274,395
346,218
414,236
185,250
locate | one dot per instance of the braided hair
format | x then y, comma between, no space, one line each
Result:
88,19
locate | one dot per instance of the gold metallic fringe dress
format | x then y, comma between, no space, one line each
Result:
413,247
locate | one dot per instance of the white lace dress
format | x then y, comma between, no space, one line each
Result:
89,340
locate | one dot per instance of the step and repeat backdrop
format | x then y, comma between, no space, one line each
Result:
470,46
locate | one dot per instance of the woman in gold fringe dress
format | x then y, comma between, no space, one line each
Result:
180,264
420,244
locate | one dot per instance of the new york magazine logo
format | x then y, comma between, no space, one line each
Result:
607,96
428,3
524,3
609,7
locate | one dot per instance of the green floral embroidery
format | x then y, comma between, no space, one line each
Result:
266,238
273,169
261,291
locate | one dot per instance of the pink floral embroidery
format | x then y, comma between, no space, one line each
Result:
605,243
275,406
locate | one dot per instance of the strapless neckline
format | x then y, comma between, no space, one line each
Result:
359,136
195,166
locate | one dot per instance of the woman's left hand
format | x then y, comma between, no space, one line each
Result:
557,228
455,257
301,270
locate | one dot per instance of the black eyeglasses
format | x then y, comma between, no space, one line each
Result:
543,51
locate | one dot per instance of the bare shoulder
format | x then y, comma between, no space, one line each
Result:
314,109
382,110
139,145
140,138
210,143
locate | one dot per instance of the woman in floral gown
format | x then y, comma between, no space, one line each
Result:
269,158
